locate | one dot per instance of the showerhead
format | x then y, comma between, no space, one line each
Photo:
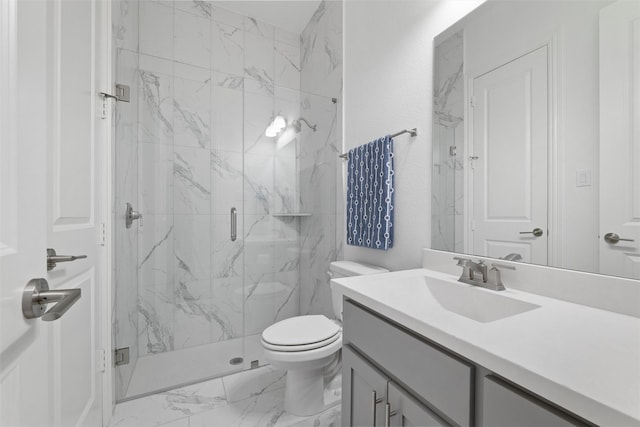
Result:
297,126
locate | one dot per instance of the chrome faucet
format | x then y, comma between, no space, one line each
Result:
477,273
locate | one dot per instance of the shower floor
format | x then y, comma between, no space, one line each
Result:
178,368
249,398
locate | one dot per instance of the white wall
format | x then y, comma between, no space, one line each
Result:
388,86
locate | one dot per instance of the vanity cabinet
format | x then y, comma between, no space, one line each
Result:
441,380
388,368
505,406
375,400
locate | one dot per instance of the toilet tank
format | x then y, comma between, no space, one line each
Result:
339,269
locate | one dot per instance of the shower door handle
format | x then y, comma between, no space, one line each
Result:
234,224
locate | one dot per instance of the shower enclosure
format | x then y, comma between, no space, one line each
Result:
235,229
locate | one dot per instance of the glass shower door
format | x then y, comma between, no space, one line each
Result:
178,291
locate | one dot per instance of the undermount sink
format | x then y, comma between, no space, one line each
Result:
475,303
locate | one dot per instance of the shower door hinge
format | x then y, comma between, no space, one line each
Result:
121,356
122,94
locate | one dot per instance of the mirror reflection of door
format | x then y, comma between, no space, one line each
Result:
508,163
620,129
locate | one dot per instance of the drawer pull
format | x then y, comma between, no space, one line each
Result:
388,413
374,402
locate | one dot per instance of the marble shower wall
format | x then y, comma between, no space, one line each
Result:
320,169
211,82
205,84
447,197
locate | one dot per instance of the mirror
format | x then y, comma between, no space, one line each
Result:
536,135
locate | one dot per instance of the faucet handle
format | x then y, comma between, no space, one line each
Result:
508,267
462,262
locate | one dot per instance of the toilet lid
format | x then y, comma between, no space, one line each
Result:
302,347
300,330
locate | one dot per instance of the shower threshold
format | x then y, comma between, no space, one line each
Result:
165,371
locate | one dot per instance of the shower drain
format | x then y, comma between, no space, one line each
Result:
236,361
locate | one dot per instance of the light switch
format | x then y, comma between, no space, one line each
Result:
583,178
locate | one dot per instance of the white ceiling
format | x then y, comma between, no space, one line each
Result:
290,15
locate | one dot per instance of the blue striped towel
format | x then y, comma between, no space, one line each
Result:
370,195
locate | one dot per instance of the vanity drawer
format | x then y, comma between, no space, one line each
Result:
505,406
439,378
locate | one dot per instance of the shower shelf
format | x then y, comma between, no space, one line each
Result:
291,214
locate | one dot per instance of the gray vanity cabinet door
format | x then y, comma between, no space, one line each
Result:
436,376
506,406
408,412
360,381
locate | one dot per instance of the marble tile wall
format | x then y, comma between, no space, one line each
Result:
205,84
320,172
447,199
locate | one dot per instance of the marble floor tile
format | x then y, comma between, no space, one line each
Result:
253,383
168,406
182,422
265,409
250,398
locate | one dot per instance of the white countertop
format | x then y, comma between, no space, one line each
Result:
584,359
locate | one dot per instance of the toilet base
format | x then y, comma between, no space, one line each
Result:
304,392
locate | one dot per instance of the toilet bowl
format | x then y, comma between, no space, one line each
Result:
305,345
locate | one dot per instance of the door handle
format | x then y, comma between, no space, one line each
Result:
613,238
53,258
536,232
36,295
234,224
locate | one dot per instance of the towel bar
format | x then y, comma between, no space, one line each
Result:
413,132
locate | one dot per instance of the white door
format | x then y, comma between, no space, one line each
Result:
50,371
509,160
620,139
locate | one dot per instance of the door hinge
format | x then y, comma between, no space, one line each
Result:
102,234
102,360
472,101
471,161
121,356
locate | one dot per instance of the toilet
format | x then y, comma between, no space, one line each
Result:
305,345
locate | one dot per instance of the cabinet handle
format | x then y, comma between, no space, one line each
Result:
388,413
374,402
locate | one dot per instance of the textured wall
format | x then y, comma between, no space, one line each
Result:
388,87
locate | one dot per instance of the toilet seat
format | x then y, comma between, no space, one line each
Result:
304,359
302,333
301,347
